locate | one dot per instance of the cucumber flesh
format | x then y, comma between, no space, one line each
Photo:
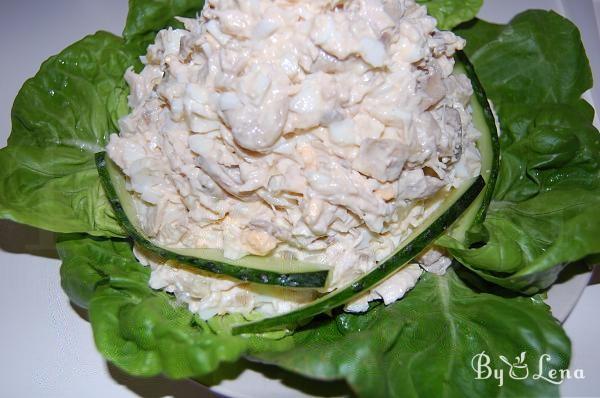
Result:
264,270
455,203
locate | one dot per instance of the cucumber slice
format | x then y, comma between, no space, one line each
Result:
455,203
256,269
467,206
488,145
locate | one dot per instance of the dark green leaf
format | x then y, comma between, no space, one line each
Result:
544,213
143,331
423,345
147,17
537,58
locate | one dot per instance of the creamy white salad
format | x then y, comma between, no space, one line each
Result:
324,131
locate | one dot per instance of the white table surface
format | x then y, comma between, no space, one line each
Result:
46,344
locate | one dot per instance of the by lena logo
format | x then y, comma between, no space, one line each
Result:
519,369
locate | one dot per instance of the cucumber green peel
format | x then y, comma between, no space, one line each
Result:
263,270
488,145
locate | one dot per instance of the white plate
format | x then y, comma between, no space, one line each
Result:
47,345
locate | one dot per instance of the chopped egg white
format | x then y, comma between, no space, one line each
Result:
318,130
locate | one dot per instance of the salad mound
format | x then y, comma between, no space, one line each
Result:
322,131
542,217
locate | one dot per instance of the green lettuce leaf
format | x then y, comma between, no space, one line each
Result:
544,213
141,331
59,119
424,345
144,331
54,188
450,13
89,262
